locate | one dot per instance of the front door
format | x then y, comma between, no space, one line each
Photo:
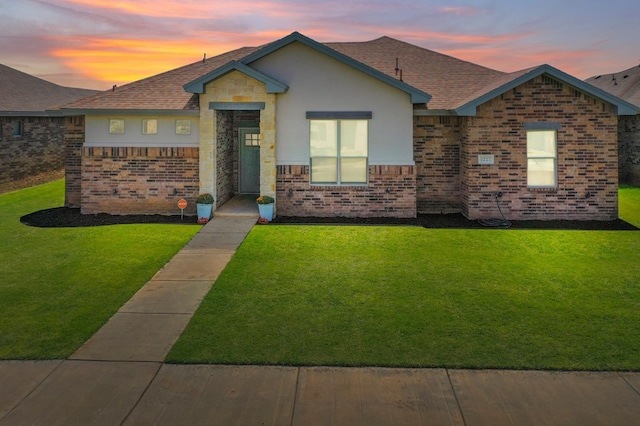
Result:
249,173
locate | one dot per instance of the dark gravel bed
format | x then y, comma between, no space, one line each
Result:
68,217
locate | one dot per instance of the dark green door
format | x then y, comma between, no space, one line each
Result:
249,173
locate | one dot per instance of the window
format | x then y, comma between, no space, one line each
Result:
183,127
252,139
16,129
150,126
116,126
542,158
339,151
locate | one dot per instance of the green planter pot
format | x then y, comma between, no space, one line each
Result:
266,211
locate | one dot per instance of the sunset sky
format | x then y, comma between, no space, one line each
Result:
98,43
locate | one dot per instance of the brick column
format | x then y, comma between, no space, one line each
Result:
73,140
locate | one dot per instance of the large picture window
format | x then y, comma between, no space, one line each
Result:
339,152
542,161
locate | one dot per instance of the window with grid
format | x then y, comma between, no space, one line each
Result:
252,139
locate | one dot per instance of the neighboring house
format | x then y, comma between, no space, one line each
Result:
31,139
625,85
367,129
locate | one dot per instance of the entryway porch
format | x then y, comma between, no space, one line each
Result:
239,205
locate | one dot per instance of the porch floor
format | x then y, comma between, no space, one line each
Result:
240,205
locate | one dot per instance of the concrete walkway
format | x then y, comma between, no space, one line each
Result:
118,378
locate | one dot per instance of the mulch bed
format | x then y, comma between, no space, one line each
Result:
65,217
68,217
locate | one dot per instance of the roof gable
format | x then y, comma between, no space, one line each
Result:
417,96
198,85
513,80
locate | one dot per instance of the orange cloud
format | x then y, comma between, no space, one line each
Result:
122,61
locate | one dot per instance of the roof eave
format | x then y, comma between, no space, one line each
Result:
621,107
417,96
25,114
63,112
198,85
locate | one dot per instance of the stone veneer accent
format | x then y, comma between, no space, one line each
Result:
240,88
228,145
391,192
629,149
225,184
436,146
35,157
126,180
587,155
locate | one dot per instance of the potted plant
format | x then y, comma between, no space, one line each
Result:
265,207
204,204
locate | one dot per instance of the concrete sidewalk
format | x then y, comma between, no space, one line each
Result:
118,378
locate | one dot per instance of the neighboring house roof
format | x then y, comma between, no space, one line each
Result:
24,94
440,81
624,84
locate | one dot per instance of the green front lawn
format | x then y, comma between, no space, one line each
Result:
403,296
58,286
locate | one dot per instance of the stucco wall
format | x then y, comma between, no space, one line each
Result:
319,83
97,131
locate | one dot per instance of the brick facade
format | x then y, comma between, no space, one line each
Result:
391,193
129,180
587,155
436,146
629,149
73,140
35,157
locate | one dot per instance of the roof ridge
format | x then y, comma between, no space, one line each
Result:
435,52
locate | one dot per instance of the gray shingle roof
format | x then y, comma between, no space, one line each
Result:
21,92
624,84
447,79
